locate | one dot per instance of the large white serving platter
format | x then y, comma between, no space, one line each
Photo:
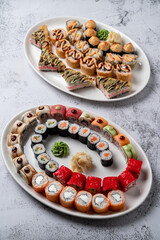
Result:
134,197
141,72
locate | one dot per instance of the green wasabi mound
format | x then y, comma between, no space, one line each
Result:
60,149
103,34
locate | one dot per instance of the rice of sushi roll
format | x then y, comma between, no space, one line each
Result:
39,182
83,134
52,126
15,150
53,190
20,162
35,139
38,149
27,172
42,130
19,127
43,159
13,139
63,128
29,118
51,167
106,158
92,140
73,130
101,146
100,203
43,113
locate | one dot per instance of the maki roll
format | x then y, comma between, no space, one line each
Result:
27,172
92,140
124,72
104,46
101,146
57,34
73,57
29,118
83,134
110,183
73,114
128,48
105,69
53,190
63,126
15,150
88,65
117,200
129,151
43,159
86,119
100,203
116,48
77,181
82,46
95,53
93,41
63,174
83,201
89,33
113,58
98,124
13,139
51,167
75,35
38,149
58,112
41,129
106,158
43,113
93,184
39,182
20,162
134,167
35,139
90,24
19,127
61,47
72,24
130,59
109,132
120,140
73,130
67,197
126,180
52,126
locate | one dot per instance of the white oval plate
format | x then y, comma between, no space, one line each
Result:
141,72
134,197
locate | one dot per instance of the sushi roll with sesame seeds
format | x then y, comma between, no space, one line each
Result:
92,140
43,159
83,134
52,126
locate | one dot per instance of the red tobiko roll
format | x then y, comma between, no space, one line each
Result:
134,167
93,184
63,174
110,183
73,114
77,181
126,180
58,112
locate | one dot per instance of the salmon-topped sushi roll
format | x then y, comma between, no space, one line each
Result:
67,197
58,112
39,182
98,124
117,200
53,190
100,203
120,140
73,114
83,201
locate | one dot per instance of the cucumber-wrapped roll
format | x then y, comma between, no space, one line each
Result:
109,132
129,152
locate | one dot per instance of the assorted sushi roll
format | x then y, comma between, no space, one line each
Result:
67,197
53,190
92,140
63,126
116,48
126,180
86,119
83,134
90,24
83,201
73,57
43,159
27,172
101,146
19,127
128,48
35,139
73,130
38,149
106,158
95,53
51,167
15,150
62,46
98,124
104,46
77,181
20,162
109,132
105,69
94,41
82,46
124,72
89,33
88,65
93,184
57,34
75,35
41,129
129,152
117,200
13,139
63,174
100,203
52,126
130,59
134,167
109,184
72,24
113,58
39,182
120,140
43,113
73,114
29,118
58,112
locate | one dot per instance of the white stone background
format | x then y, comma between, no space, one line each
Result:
21,216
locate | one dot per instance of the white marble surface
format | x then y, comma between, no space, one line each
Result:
22,217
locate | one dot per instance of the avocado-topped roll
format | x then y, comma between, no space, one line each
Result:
35,139
72,24
52,126
73,57
43,159
27,172
88,65
41,129
109,132
129,151
124,72
95,53
113,58
82,46
43,113
86,119
130,59
62,46
19,127
29,118
105,69
20,162
75,35
57,34
13,139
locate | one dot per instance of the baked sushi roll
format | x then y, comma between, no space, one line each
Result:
73,130
109,184
75,35
128,48
120,140
86,119
130,59
38,149
39,182
83,134
27,172
82,46
63,126
104,46
67,197
73,114
88,65
90,32
100,203
117,200
83,201
134,167
63,174
72,24
13,139
20,162
40,38
19,127
105,69
15,150
58,112
106,158
29,118
53,190
51,167
77,181
52,126
43,159
61,47
90,24
98,124
95,53
93,184
36,139
129,152
94,41
124,72
112,87
126,180
41,129
101,146
92,140
109,132
73,57
57,34
113,58
116,48
43,113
